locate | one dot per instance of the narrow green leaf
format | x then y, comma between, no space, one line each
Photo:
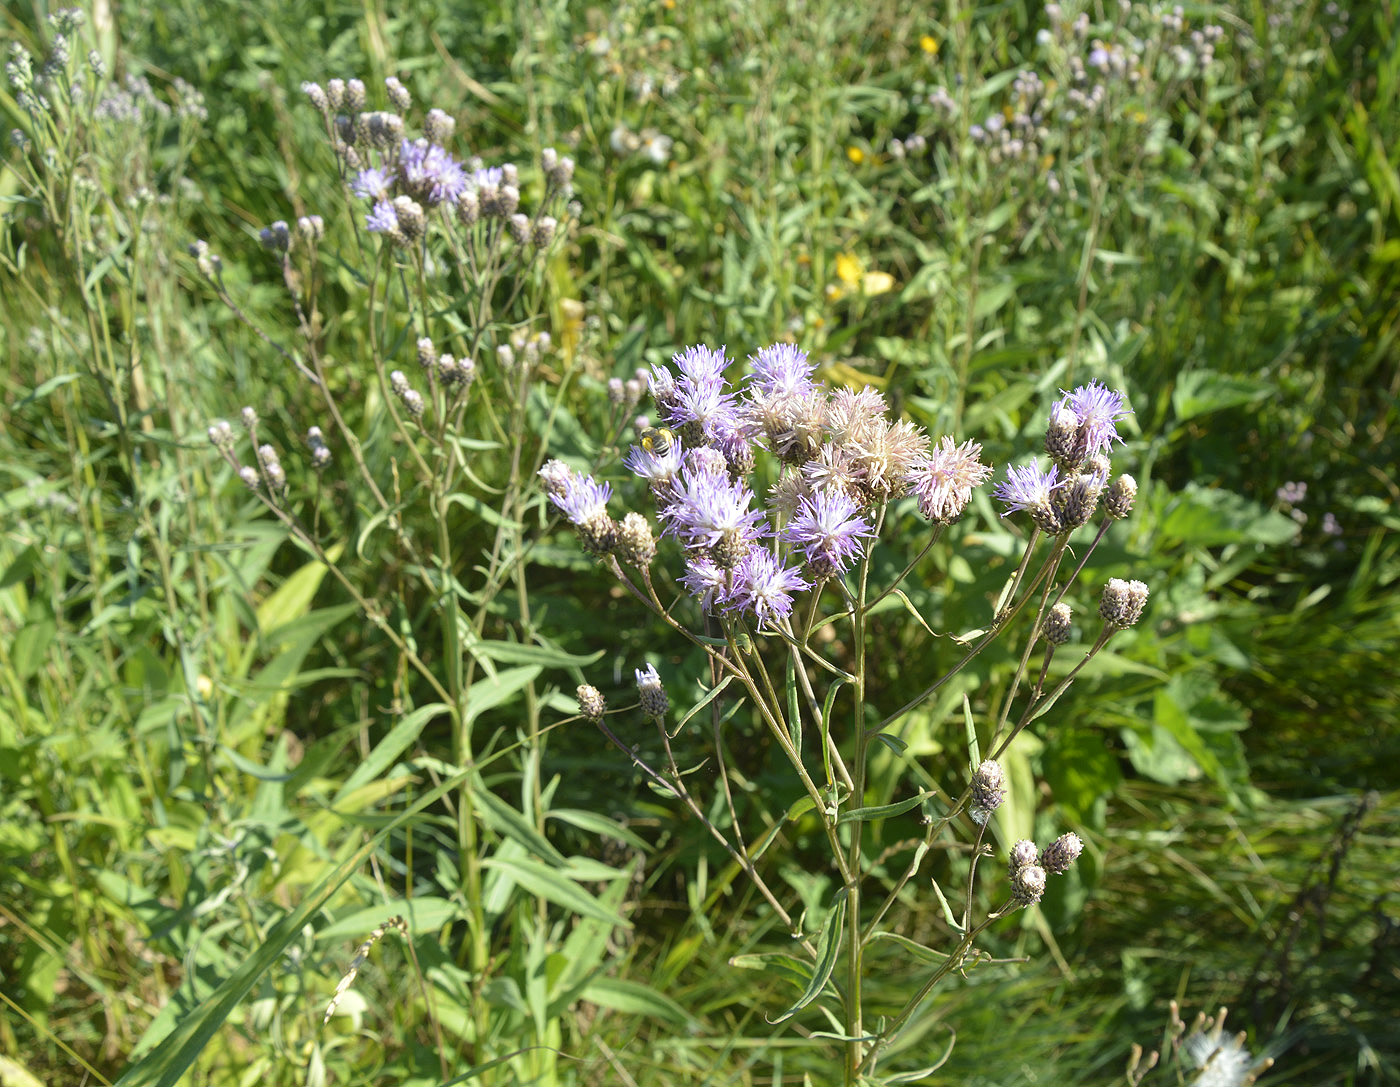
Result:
882,811
552,886
710,696
974,750
635,998
395,743
500,817
828,948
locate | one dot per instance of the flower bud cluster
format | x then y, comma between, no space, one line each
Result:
1083,426
1122,602
1028,869
410,397
405,179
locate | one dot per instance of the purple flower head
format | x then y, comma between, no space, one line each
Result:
782,370
763,588
372,184
429,173
704,580
698,400
829,531
943,484
486,177
382,218
583,500
1098,409
655,468
710,511
1030,488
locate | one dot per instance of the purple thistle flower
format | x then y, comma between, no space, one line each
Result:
829,531
1030,488
943,484
583,500
704,580
373,184
763,588
382,218
1098,409
486,177
782,369
429,173
655,468
701,395
710,511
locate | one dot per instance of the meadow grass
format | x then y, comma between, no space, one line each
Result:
254,705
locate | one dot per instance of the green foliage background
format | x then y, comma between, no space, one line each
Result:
1234,267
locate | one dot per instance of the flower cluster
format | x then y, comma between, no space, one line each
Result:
405,179
839,460
1083,427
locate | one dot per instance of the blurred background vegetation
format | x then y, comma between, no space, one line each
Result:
1222,243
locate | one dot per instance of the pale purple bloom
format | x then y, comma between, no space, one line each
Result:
763,588
709,509
372,184
705,580
782,369
382,218
584,499
1028,488
943,483
485,177
653,467
829,531
1098,409
701,394
429,173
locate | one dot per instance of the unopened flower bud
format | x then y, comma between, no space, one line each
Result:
1028,885
398,94
1023,854
655,704
311,228
519,228
438,126
468,208
249,417
508,200
555,477
412,221
1122,602
1061,854
1056,627
316,96
355,96
276,238
635,542
543,231
335,93
591,703
221,434
617,392
427,353
249,475
1062,438
988,791
1118,502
